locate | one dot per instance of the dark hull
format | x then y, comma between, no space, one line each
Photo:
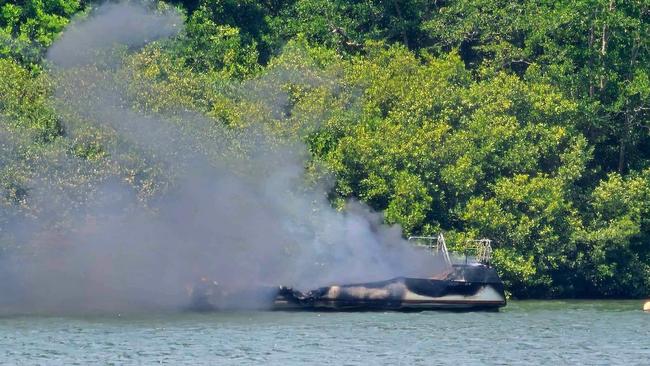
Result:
464,288
399,294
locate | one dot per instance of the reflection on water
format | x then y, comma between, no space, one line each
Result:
532,332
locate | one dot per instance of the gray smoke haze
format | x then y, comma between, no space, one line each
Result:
237,208
112,24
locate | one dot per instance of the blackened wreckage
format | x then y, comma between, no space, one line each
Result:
468,283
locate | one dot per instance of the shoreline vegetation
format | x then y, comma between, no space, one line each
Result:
524,122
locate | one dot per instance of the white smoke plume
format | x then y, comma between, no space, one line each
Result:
237,209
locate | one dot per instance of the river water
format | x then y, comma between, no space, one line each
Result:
526,332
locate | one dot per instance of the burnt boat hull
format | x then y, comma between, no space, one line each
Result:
465,287
472,285
399,294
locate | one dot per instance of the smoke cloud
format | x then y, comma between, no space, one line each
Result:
234,206
112,24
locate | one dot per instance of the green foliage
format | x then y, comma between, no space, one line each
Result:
210,45
615,255
410,202
29,27
346,25
597,51
531,218
517,272
24,102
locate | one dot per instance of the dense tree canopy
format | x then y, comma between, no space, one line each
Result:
527,122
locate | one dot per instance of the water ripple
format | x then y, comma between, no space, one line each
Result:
556,332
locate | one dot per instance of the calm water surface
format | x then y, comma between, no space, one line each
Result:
540,332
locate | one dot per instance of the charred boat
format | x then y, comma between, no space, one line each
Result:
469,282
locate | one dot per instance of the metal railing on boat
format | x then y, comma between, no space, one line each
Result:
480,250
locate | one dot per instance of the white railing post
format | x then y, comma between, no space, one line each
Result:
442,246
